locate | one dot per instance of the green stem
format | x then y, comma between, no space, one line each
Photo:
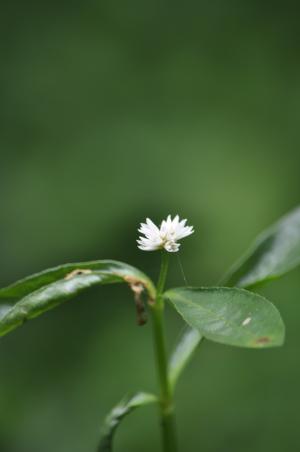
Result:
166,399
163,273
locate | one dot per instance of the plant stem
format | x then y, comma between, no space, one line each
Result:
163,273
166,399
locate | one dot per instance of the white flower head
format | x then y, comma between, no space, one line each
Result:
166,236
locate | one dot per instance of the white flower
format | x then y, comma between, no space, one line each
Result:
166,236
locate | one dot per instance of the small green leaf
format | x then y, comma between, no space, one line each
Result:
38,293
229,315
275,252
182,354
118,413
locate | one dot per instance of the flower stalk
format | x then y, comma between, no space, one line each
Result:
166,398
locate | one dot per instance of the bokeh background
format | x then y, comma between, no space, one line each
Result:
113,111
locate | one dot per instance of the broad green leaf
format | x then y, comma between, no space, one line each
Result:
229,315
38,293
182,354
118,413
115,271
275,252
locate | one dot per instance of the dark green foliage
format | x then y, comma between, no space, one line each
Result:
38,293
229,316
275,252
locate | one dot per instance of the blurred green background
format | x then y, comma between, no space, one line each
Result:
113,111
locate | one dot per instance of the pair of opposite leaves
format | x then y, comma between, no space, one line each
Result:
230,315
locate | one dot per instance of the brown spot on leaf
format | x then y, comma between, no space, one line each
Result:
132,280
262,340
78,271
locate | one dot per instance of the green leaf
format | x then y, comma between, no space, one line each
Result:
118,413
229,315
115,271
38,293
275,252
182,354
